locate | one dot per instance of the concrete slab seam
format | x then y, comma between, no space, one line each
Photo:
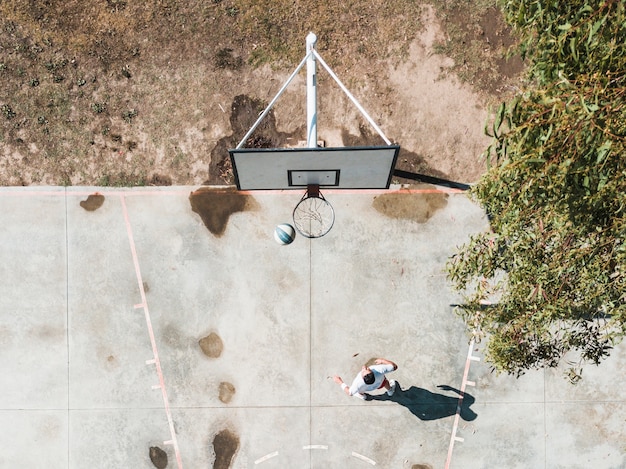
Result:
457,416
144,304
67,327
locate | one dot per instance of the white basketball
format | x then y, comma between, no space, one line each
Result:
284,234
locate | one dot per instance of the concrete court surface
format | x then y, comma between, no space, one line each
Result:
105,305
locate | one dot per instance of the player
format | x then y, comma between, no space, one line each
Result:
370,378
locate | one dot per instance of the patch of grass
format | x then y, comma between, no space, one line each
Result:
7,111
67,77
129,115
132,178
276,29
225,59
478,40
98,108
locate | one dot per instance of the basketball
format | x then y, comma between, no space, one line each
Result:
284,234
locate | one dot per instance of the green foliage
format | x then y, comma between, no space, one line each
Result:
98,108
555,260
7,111
129,115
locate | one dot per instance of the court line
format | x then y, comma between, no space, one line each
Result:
457,417
363,458
266,457
180,192
97,190
157,362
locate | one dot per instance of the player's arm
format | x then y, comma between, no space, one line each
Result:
344,387
383,361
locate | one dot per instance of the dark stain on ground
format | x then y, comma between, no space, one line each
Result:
410,206
225,445
211,345
496,33
146,287
227,391
413,162
407,160
421,466
93,202
160,180
215,206
491,32
365,137
158,457
244,113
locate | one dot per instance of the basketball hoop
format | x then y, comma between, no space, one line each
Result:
313,217
356,168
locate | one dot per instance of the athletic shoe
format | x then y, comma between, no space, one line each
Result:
392,388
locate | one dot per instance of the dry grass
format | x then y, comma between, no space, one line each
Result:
124,93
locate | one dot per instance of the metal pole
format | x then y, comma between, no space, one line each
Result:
269,106
311,92
352,98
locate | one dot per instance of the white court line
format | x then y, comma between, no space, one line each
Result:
363,458
315,447
157,362
266,457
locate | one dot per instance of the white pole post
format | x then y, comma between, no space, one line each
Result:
311,92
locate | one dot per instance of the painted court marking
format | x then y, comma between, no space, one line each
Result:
363,458
266,457
155,360
457,417
123,194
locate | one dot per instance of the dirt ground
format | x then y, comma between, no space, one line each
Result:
111,93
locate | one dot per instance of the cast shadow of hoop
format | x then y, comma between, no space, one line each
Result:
427,405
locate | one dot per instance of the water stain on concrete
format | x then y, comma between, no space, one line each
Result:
421,466
227,391
47,332
173,337
158,457
215,206
93,202
146,287
225,445
410,206
211,345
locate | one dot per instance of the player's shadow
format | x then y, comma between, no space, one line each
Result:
427,405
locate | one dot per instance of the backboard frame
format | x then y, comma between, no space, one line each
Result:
365,167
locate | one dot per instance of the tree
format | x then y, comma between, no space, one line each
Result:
553,264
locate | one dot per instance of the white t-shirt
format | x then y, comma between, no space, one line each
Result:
359,386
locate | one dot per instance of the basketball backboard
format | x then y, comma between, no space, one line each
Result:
297,168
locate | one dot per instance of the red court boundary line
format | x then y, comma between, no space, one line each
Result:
157,362
100,191
457,416
179,192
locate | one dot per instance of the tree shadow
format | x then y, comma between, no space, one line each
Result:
426,405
